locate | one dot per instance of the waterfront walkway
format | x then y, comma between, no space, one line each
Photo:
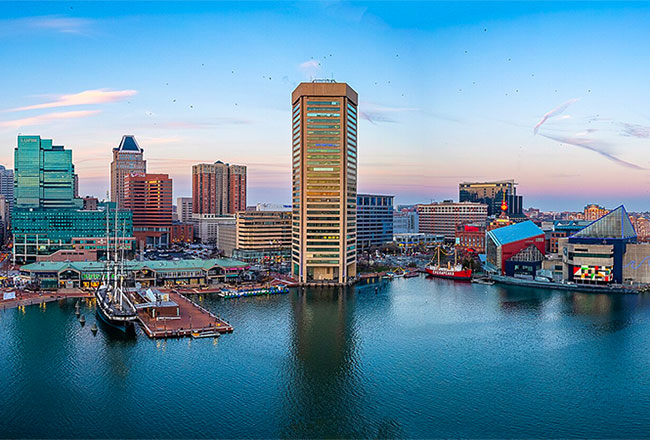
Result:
29,298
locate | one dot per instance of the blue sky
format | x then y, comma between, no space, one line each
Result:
449,91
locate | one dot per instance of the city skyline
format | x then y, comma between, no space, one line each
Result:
450,92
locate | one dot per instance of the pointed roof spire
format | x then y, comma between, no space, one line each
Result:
129,144
615,224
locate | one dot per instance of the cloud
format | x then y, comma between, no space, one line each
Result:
46,118
310,68
554,112
375,113
52,23
592,145
97,96
635,130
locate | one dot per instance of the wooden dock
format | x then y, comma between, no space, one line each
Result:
193,320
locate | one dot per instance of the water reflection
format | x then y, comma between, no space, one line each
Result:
518,299
324,389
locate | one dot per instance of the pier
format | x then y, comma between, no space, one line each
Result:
29,298
193,320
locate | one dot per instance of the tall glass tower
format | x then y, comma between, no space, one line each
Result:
44,175
324,174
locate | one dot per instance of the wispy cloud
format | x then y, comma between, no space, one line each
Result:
635,130
375,113
97,96
310,68
594,145
554,112
47,118
49,23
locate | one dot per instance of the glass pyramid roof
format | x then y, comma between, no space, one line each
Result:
129,144
616,224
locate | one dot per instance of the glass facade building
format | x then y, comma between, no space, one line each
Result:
44,175
324,182
46,215
492,194
374,220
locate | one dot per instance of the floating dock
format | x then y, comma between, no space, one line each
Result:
193,320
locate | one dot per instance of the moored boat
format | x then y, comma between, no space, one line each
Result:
455,272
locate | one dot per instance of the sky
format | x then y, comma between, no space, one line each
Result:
553,95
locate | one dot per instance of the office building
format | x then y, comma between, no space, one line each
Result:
406,221
5,216
128,158
46,216
442,218
207,229
44,175
184,209
149,198
374,220
218,188
263,236
494,195
41,232
324,178
7,186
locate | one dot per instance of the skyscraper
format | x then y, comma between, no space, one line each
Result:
44,175
218,188
324,174
374,220
493,194
46,216
127,159
149,198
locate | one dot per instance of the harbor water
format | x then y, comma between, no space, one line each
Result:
415,357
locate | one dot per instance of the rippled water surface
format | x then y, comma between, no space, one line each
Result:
418,358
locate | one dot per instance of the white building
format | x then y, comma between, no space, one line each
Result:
219,230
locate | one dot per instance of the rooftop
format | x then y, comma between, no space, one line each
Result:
129,144
516,232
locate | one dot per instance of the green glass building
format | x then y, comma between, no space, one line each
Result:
44,175
46,215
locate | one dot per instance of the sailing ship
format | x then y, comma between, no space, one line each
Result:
455,272
113,305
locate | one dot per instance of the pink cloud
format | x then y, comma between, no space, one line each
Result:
98,96
46,118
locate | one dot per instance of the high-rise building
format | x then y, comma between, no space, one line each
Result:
44,175
127,159
263,236
443,218
184,209
149,198
47,217
7,186
218,188
324,175
493,194
594,212
236,188
374,220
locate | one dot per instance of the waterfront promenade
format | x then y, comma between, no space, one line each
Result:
28,298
